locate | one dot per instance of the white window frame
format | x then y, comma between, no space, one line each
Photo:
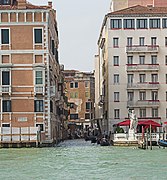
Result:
34,36
1,39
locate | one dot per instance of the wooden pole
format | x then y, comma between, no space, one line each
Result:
150,139
147,139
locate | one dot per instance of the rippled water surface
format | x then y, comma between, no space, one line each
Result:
80,160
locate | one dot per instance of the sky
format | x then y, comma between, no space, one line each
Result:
79,24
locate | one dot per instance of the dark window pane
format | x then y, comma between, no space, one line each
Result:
38,105
41,126
5,36
6,106
5,78
38,35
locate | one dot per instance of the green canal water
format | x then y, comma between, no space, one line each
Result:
80,160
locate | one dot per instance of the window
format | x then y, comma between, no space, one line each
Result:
116,23
40,126
154,23
141,23
130,96
166,95
115,42
86,94
142,96
166,113
116,60
129,41
165,60
51,106
38,36
141,41
116,96
129,23
165,41
130,60
86,84
5,2
154,78
38,105
154,95
87,115
142,78
153,41
4,36
74,85
5,78
143,113
73,116
154,59
88,105
76,95
164,23
141,59
130,78
116,78
38,77
6,105
5,125
155,112
116,114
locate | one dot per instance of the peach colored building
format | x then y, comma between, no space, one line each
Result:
121,4
80,90
31,77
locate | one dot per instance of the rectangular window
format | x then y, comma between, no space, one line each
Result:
142,78
141,23
73,116
154,23
38,106
38,36
143,113
88,105
130,60
76,95
129,23
141,41
86,84
165,41
71,85
87,115
166,95
155,112
74,85
5,2
154,78
116,78
6,105
116,60
116,113
166,78
153,41
164,23
40,126
142,96
4,36
5,125
115,42
165,60
129,41
130,96
116,96
38,77
154,59
141,59
154,95
116,23
86,94
130,78
5,78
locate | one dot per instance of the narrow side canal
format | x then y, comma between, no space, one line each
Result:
81,160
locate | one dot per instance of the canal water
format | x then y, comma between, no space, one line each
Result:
81,160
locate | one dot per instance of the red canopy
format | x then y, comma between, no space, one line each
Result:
141,122
165,122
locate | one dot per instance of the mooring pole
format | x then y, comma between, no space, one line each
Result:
150,138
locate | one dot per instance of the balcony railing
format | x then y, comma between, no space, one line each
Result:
39,90
146,85
142,67
144,103
138,49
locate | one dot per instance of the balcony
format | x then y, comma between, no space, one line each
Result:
142,67
39,90
146,85
142,49
144,103
5,89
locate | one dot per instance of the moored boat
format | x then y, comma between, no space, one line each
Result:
162,143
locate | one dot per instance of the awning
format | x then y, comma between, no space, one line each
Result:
140,122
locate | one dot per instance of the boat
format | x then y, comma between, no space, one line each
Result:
162,143
104,142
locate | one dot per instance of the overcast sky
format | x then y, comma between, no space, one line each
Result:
79,23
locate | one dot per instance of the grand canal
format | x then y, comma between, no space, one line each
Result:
80,160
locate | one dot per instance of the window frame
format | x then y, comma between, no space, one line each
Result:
116,60
37,43
116,79
129,23
1,37
154,23
116,23
140,21
41,104
115,42
8,107
116,113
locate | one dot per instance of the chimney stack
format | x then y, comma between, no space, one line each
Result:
50,4
21,4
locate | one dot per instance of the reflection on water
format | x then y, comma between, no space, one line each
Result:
80,160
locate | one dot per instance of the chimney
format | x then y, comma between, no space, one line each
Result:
50,4
21,4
